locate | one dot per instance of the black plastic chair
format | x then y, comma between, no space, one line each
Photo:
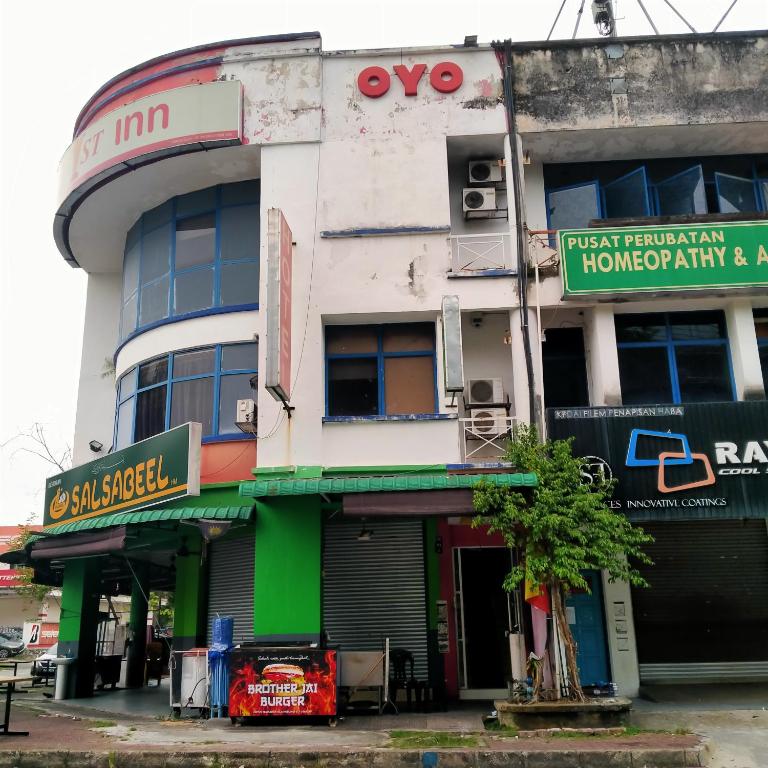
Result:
400,680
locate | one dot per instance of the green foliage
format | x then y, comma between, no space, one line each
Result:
162,605
430,739
566,526
28,589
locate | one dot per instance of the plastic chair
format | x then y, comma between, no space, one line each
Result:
399,679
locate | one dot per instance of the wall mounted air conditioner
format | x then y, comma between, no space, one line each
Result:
489,422
482,391
479,199
483,171
245,416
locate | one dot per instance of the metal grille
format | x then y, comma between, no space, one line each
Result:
375,589
706,613
230,590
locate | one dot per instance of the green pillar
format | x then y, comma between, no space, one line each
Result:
137,626
189,628
80,595
286,598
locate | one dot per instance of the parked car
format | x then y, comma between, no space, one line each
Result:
43,667
10,646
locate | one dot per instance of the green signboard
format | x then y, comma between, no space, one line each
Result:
155,470
665,258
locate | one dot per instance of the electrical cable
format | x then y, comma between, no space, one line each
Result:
680,15
648,16
578,20
554,23
730,8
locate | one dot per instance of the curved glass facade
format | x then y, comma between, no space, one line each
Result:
202,384
193,254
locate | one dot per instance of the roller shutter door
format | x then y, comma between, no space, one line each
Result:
230,590
705,617
375,589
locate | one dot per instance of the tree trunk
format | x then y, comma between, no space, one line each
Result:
558,611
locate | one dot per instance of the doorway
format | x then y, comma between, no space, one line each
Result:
485,616
587,621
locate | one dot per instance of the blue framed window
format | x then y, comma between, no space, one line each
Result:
380,370
193,254
676,357
202,384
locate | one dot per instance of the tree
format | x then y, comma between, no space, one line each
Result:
563,528
27,588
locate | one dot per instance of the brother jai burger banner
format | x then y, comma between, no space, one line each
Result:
282,681
675,462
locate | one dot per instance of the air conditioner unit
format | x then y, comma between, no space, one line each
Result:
479,199
483,171
490,422
482,391
245,417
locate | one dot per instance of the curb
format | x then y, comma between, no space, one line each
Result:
390,758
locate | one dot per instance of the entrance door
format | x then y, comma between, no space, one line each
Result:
484,617
587,622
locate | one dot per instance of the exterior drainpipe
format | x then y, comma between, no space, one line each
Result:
504,56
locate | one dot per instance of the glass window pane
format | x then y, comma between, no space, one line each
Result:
689,326
409,385
196,202
640,328
231,389
735,194
157,216
241,192
124,431
193,401
127,385
153,372
155,255
154,302
240,232
573,208
637,386
150,413
128,318
682,194
764,190
341,340
353,388
704,374
131,271
195,363
239,284
195,241
240,357
627,196
764,364
133,236
761,329
408,337
193,291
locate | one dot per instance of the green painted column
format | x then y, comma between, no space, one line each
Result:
189,629
80,595
137,627
286,598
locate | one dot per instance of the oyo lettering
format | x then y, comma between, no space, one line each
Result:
445,77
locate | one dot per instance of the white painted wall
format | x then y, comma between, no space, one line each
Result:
620,633
602,356
745,355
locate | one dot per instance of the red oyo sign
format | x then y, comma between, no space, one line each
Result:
445,77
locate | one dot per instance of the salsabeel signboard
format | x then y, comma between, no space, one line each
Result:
675,462
658,259
155,470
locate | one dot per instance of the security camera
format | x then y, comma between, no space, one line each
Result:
477,321
602,15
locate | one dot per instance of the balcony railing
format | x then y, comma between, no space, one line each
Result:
486,436
481,253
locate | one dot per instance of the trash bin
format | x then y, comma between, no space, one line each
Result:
64,667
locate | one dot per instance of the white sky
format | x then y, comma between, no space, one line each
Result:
54,55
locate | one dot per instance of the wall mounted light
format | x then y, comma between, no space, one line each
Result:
366,534
96,446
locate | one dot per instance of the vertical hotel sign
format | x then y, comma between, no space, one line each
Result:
279,285
152,471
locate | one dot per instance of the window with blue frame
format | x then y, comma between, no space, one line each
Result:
201,385
676,357
579,192
380,370
193,254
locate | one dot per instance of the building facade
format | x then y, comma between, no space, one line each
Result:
320,258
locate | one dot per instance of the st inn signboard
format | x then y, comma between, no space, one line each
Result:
675,462
156,470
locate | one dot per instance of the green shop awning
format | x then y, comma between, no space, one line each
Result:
375,484
154,516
